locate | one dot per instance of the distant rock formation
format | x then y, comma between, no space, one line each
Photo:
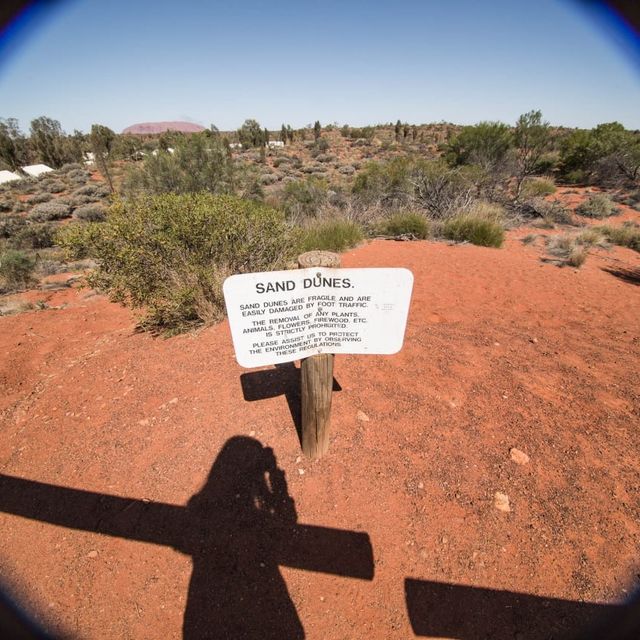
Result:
146,128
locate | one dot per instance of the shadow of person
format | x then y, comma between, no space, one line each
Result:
236,589
238,529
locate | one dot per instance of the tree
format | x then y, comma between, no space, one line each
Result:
47,141
101,139
265,137
250,134
317,130
532,138
14,151
607,154
414,132
486,144
398,130
405,131
290,133
284,134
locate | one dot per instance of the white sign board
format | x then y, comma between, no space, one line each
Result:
280,316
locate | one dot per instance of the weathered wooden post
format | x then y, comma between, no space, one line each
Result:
316,378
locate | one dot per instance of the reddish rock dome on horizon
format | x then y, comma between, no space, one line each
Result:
161,127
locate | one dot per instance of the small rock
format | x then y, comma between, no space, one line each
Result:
505,397
298,459
519,457
362,416
173,401
420,485
533,340
92,554
252,433
501,502
301,472
144,422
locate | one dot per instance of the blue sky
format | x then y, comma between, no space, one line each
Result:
295,61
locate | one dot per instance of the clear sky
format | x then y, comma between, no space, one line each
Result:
295,61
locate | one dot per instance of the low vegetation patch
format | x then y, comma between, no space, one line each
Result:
537,188
474,229
567,251
409,223
331,235
628,235
16,270
598,206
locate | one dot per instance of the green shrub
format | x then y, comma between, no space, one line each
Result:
406,223
304,198
35,236
37,198
474,229
169,254
92,190
331,235
55,186
90,213
537,188
598,205
11,225
54,210
553,212
16,269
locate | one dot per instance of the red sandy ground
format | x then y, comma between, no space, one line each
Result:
501,351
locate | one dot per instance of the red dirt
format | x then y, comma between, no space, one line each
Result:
501,351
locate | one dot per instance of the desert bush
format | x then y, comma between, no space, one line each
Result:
6,204
25,186
169,254
78,175
474,229
567,249
598,205
304,198
70,167
37,198
16,269
628,235
55,186
77,201
34,236
537,188
11,225
54,210
331,235
268,178
90,213
553,212
429,185
592,238
325,157
197,164
405,223
347,170
93,190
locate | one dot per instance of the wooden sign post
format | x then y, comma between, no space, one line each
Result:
310,314
316,378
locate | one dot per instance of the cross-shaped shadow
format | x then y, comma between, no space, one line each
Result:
238,529
284,380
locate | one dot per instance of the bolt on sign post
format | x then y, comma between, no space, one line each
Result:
310,315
